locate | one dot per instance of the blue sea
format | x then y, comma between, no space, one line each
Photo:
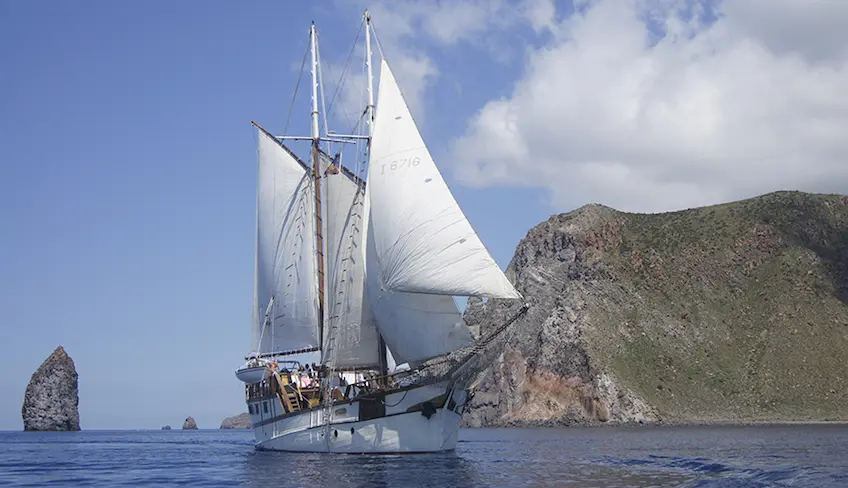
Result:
786,455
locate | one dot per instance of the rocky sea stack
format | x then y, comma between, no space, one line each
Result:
240,421
735,312
51,401
189,424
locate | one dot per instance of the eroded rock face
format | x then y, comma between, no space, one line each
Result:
189,424
51,401
733,312
240,421
546,374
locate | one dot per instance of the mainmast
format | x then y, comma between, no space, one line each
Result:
369,114
313,47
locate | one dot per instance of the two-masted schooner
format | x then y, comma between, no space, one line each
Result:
360,269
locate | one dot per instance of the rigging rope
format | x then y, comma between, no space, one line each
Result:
321,87
379,45
343,75
296,86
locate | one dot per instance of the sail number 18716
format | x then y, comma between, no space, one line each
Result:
400,163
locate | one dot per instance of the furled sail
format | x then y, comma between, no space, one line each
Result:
285,251
350,321
415,326
422,240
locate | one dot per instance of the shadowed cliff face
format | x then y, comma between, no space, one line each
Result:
731,312
51,401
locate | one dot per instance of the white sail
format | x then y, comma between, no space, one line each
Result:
415,326
349,318
285,251
423,242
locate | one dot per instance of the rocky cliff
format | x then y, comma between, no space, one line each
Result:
51,401
240,421
189,424
735,312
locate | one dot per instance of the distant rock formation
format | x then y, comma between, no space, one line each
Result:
167,427
240,421
189,424
51,401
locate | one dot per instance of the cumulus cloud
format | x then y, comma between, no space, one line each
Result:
652,105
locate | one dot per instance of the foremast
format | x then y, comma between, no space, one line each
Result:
316,168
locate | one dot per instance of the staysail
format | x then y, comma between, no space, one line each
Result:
285,252
350,321
422,240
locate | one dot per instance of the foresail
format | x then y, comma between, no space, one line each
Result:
285,251
416,327
423,242
350,321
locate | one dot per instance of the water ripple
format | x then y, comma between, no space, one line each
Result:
602,457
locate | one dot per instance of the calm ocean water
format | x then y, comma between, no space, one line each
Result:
796,455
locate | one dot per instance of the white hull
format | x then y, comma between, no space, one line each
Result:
398,431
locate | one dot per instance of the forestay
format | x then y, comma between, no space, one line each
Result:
422,240
285,251
350,320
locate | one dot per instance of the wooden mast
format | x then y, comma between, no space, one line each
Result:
316,168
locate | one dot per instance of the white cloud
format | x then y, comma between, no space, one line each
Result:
541,14
755,101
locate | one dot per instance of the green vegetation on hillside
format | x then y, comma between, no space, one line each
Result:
730,312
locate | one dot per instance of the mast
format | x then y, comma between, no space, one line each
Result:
369,114
313,47
370,109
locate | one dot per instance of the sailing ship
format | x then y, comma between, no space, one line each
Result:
361,272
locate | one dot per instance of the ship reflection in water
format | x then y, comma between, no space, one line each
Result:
267,468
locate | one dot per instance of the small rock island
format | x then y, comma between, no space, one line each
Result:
189,423
51,401
240,421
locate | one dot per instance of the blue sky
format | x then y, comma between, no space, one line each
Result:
127,173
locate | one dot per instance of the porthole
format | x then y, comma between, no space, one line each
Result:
335,433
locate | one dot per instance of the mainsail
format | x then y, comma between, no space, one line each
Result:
423,241
285,252
350,320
